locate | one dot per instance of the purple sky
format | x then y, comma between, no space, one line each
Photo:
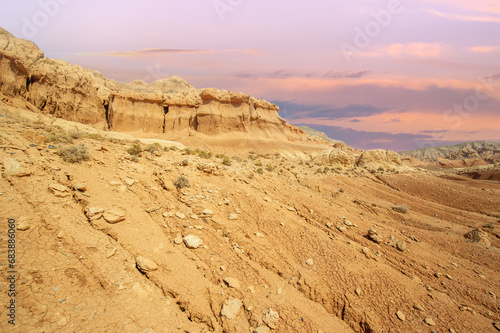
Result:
375,74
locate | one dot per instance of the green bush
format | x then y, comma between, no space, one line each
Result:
73,154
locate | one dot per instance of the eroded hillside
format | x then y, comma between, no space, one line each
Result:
264,243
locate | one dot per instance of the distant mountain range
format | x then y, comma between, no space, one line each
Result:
488,151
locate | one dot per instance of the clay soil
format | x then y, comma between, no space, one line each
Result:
291,234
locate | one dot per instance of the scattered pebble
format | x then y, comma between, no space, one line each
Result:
401,316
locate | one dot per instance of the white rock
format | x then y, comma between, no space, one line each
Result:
233,216
259,235
192,241
230,308
208,212
309,262
180,215
271,318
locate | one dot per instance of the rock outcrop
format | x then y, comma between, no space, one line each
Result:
488,151
164,106
335,157
378,158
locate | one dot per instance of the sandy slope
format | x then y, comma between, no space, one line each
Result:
283,235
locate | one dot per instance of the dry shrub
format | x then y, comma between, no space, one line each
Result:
73,154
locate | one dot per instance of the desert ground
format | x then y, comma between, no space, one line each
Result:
118,235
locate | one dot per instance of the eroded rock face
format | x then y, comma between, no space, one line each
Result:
379,158
335,157
164,106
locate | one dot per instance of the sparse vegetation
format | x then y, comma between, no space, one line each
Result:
95,136
135,150
73,154
58,138
182,182
401,209
76,134
185,162
260,171
204,154
270,167
227,161
153,148
188,151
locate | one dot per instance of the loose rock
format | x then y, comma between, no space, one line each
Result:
192,241
309,262
232,282
271,318
374,236
401,246
429,321
478,236
401,316
14,168
94,213
230,308
59,190
262,329
114,215
419,307
145,264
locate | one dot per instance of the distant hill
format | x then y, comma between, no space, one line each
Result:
488,151
321,135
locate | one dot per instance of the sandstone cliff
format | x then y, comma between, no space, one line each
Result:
165,106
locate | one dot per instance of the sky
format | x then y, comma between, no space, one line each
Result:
391,74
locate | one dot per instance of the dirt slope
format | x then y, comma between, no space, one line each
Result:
285,244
